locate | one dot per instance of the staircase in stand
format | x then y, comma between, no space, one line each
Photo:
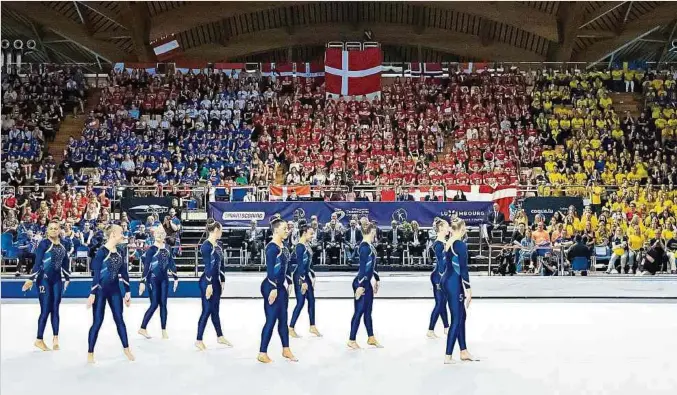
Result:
72,127
626,102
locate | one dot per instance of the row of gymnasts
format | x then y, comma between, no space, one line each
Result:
284,270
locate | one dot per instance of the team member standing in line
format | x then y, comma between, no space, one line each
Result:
109,268
51,262
211,284
363,289
457,288
157,264
275,293
304,280
440,249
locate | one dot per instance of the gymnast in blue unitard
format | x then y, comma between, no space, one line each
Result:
456,282
211,285
109,268
158,263
303,278
275,293
51,263
363,289
440,249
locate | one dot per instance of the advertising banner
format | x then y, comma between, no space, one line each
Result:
240,214
141,207
549,205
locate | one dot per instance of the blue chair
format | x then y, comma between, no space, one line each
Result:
602,253
82,252
7,241
580,263
10,254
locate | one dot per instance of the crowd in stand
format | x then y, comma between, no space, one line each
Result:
32,110
33,107
167,131
175,131
400,139
623,166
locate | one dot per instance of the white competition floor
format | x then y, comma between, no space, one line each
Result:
527,347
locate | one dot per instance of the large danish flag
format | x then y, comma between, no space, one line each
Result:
353,73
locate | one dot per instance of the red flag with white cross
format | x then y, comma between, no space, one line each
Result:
353,73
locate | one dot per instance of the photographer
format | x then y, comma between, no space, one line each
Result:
172,226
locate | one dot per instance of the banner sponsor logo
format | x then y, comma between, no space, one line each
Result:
547,206
141,208
243,215
238,214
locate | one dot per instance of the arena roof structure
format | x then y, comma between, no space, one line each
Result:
108,31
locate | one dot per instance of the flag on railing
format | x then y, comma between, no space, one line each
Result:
420,193
310,70
192,66
472,67
503,195
277,69
426,69
388,195
283,192
147,66
229,68
353,73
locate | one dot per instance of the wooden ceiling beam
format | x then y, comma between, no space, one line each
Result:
465,45
114,35
569,15
139,26
203,12
660,16
589,33
65,27
509,12
105,12
595,14
486,26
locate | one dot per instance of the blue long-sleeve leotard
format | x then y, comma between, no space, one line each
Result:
455,281
51,262
304,258
158,263
441,257
109,268
303,274
363,306
367,268
458,256
277,275
276,265
212,258
436,278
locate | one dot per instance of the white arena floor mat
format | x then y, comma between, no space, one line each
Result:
527,347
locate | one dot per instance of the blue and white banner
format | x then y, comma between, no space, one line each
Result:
238,214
